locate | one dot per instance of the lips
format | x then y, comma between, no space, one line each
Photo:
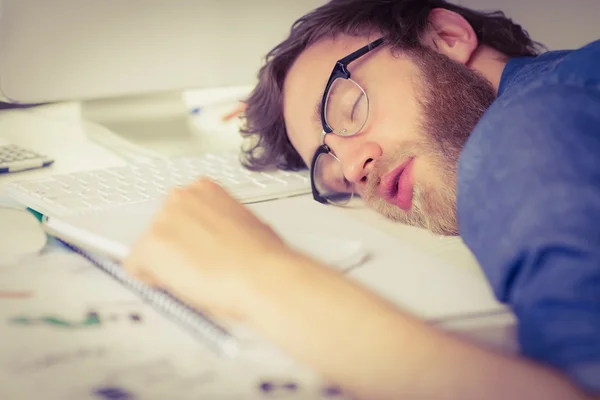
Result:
396,186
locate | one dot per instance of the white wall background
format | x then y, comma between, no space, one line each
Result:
559,24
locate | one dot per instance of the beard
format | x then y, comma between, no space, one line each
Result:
452,99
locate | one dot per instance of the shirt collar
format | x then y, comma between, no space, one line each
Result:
511,70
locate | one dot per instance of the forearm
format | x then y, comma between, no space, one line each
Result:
369,347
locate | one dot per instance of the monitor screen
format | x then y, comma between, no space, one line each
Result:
65,50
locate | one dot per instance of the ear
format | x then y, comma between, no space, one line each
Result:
450,34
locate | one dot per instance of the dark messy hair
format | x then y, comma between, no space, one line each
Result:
401,22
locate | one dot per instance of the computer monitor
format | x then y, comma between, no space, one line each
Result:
85,49
124,55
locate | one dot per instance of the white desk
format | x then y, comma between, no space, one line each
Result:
58,130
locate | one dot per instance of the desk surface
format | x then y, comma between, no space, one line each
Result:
59,131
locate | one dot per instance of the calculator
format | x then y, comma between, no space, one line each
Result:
14,158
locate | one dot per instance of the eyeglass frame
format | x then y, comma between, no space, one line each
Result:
340,70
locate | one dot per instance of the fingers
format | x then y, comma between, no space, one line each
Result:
222,216
218,205
226,213
203,201
185,203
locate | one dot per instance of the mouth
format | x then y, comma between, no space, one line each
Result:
396,186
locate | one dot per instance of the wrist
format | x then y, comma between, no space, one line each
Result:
280,275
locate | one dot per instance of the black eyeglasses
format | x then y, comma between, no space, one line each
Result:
344,111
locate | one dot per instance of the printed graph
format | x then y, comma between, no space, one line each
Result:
90,319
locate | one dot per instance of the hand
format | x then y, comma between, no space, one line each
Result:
206,248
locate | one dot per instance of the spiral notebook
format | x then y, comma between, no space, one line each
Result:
213,335
104,238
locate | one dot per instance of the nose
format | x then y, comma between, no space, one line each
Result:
356,154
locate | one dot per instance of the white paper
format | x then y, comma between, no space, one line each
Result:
71,332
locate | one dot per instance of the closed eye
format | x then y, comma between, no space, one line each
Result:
355,108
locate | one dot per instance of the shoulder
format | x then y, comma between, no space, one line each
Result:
579,67
529,161
556,89
552,128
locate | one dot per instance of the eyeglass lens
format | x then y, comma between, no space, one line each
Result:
346,107
330,181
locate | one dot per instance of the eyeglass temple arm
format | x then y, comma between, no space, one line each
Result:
360,52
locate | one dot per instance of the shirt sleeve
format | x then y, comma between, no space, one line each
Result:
529,210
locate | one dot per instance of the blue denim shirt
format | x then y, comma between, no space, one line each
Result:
529,205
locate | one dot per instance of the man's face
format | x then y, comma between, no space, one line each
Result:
422,108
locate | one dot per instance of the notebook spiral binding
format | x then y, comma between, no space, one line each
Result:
216,337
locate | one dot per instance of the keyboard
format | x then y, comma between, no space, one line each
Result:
14,158
68,194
